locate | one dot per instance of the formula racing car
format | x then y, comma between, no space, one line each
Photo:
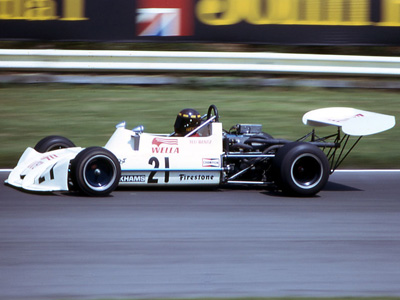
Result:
204,155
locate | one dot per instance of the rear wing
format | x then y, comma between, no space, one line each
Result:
352,122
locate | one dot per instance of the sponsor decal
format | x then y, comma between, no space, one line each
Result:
49,157
210,162
297,12
165,18
35,164
165,145
40,162
133,178
42,10
346,119
200,141
185,177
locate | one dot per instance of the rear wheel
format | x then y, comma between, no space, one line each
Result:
53,142
95,171
301,169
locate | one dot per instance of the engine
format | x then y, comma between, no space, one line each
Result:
242,142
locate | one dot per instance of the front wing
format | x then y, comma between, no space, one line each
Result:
43,172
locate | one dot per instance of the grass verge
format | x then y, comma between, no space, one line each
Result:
87,114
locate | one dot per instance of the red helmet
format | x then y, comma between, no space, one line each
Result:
187,120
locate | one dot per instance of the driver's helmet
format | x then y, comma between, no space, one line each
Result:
187,120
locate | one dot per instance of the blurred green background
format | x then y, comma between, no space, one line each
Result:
87,114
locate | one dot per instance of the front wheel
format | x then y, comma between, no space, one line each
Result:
95,171
301,169
53,142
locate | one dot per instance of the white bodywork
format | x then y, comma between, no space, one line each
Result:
43,172
353,121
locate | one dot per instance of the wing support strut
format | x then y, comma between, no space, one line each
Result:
331,149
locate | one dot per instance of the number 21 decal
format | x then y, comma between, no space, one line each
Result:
156,162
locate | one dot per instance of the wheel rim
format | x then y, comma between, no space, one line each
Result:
307,171
99,173
56,147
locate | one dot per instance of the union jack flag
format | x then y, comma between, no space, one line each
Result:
158,21
164,18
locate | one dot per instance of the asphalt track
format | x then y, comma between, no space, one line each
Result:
219,243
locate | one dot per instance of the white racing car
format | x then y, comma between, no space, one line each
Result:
206,155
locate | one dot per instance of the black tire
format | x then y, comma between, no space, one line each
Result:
300,169
53,142
95,171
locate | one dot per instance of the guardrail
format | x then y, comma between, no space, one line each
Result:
173,61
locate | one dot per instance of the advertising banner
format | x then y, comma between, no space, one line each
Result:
307,22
